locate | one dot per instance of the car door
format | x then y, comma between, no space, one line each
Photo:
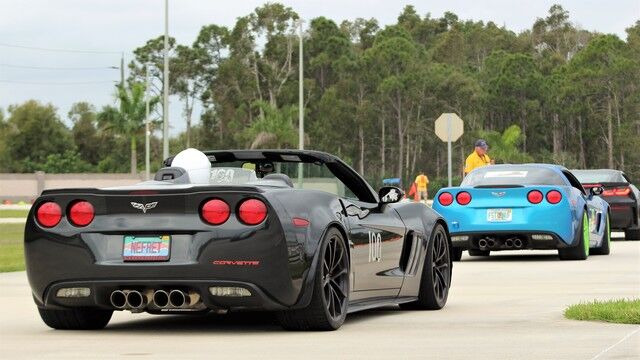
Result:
594,212
377,235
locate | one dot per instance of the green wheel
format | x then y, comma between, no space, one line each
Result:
579,251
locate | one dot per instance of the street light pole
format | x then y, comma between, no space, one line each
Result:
165,85
300,103
147,132
300,92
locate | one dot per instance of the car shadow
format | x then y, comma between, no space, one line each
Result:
512,258
251,322
239,322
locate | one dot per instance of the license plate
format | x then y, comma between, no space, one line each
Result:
499,215
146,248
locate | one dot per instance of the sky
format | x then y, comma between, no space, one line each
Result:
114,27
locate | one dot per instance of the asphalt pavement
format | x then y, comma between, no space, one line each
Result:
507,306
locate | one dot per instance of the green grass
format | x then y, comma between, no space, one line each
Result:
14,213
11,249
616,311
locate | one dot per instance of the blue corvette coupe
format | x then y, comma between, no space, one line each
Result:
532,206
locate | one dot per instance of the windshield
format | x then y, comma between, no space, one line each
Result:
490,176
597,176
311,176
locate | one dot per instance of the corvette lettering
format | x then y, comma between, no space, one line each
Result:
236,262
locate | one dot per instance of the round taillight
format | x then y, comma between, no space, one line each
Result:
463,198
445,199
535,197
215,212
49,214
81,213
252,212
554,196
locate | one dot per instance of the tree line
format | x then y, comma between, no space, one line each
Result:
553,93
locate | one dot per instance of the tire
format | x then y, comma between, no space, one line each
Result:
76,319
436,274
581,250
456,253
476,252
632,234
328,307
604,248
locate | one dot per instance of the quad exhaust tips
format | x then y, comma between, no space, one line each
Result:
159,299
486,243
128,299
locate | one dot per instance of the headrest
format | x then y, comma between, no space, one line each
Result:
175,174
279,177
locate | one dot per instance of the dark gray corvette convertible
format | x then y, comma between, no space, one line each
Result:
299,233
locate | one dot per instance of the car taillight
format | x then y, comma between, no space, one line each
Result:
215,212
463,198
49,214
252,211
554,196
535,197
445,199
619,191
81,213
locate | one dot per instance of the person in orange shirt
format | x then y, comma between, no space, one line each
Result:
422,183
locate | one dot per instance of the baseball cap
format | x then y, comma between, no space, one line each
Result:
482,144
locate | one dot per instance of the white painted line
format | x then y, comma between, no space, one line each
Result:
616,344
15,207
13,220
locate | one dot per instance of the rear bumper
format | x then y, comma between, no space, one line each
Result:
529,239
100,291
622,216
260,260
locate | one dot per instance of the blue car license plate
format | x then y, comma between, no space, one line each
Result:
499,215
146,248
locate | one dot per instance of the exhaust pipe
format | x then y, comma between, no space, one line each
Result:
136,300
508,243
118,299
161,298
491,243
518,243
178,299
482,243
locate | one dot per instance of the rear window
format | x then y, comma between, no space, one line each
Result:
597,176
512,176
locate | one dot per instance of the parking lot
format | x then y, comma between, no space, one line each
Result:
505,306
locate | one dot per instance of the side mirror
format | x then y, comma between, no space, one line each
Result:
596,191
390,194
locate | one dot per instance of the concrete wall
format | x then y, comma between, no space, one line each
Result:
26,187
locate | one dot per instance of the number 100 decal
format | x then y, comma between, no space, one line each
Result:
375,246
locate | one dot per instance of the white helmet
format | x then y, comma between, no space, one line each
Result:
196,163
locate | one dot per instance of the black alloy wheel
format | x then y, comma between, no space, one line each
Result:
335,277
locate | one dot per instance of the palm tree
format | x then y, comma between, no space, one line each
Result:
504,146
273,130
128,119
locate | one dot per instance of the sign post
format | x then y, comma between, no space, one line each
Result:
449,127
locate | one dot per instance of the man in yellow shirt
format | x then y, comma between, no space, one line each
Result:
478,158
422,181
